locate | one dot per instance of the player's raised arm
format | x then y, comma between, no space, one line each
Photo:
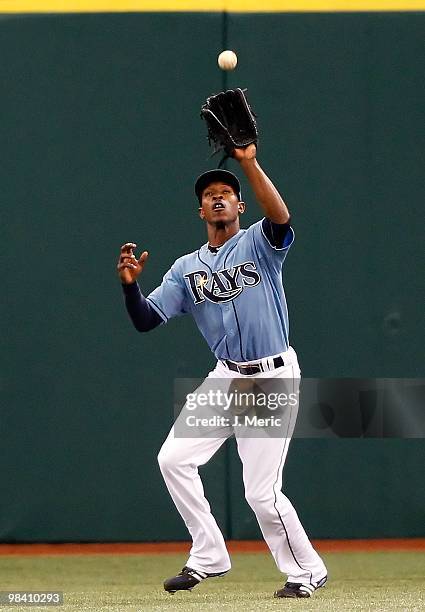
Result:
232,128
141,313
265,192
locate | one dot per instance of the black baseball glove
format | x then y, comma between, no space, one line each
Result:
230,121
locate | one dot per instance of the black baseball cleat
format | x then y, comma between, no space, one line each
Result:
187,579
298,589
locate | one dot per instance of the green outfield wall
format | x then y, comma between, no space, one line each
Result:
100,144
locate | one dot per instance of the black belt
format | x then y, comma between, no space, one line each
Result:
253,368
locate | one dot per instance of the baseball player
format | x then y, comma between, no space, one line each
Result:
232,286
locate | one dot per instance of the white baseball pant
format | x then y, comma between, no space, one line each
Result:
263,459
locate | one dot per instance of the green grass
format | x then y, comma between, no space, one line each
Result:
358,581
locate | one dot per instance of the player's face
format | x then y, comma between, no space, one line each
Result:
220,204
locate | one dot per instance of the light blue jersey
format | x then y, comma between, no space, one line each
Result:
236,296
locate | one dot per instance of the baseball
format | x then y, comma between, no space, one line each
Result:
227,60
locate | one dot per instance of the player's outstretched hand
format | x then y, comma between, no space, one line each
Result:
248,152
129,267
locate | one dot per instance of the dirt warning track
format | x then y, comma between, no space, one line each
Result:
234,546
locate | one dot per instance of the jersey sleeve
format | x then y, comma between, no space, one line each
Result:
141,312
169,299
265,247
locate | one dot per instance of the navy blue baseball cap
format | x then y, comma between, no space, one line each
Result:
217,176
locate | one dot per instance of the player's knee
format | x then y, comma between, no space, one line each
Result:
168,458
260,502
267,506
164,460
253,498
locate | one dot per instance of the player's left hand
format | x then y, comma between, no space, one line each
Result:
245,153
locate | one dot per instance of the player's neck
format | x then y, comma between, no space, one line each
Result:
219,233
